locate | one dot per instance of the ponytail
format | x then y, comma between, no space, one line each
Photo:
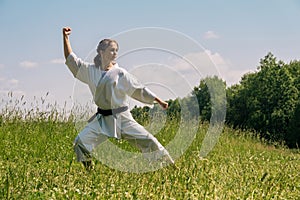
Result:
97,61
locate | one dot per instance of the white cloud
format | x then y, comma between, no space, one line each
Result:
211,35
58,61
8,84
196,66
216,58
201,64
226,69
28,64
2,66
14,82
178,76
232,76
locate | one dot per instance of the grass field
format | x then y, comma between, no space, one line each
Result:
37,162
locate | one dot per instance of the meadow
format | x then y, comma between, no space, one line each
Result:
37,162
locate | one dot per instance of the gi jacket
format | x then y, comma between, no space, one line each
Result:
110,89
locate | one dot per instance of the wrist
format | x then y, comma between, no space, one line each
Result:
157,100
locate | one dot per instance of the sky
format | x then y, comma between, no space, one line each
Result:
228,37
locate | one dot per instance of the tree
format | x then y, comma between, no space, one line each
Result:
293,136
265,100
211,96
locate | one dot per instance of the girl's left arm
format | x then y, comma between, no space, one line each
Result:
162,103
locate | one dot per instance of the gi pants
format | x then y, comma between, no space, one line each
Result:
118,126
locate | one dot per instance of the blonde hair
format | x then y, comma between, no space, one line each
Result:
103,44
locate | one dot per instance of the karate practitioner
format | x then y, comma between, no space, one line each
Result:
111,86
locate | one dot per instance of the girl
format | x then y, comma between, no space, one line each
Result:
111,86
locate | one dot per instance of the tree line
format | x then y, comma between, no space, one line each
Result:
266,101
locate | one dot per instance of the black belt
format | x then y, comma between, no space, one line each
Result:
111,111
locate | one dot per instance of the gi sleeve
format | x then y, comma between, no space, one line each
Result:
78,67
133,88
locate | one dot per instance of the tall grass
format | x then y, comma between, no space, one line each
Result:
37,162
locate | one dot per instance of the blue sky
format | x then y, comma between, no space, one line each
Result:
237,34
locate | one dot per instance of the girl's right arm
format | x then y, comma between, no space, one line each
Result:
78,67
67,45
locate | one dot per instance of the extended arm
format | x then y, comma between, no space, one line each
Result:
66,41
133,88
162,103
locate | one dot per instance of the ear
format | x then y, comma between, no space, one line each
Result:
100,53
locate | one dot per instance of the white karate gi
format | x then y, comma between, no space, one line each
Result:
110,89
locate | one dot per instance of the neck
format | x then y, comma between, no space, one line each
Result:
107,66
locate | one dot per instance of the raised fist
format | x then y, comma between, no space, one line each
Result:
67,31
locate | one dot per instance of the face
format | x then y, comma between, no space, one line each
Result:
110,53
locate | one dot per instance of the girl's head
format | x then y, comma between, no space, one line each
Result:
107,51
